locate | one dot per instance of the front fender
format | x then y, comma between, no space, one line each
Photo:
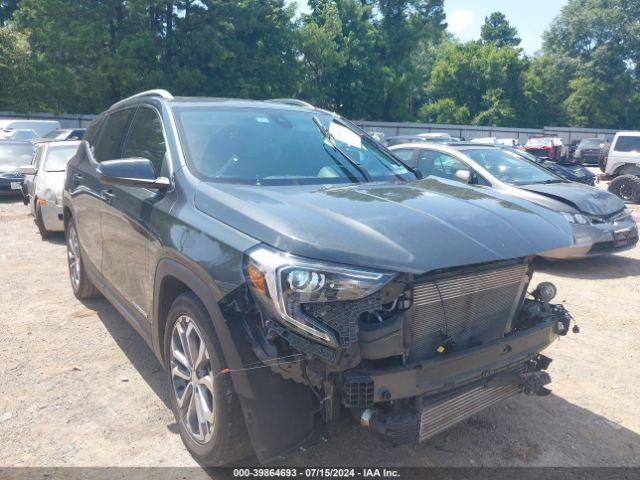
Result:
278,413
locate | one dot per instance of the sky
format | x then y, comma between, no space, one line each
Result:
465,17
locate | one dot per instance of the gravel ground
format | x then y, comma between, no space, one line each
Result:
78,387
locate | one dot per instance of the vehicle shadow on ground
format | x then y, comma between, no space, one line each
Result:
133,346
56,238
522,431
595,268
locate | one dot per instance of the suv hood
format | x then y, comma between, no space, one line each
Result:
584,198
411,227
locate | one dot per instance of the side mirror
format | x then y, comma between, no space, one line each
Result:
28,170
463,175
131,172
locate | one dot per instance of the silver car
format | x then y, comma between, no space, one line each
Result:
600,221
44,181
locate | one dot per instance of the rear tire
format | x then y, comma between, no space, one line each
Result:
627,187
80,282
215,433
44,233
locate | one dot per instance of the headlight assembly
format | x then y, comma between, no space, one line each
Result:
577,218
283,283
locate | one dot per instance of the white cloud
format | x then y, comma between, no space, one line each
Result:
459,20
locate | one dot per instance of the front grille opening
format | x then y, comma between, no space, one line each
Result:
466,309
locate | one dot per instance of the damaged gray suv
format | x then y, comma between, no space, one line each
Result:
287,270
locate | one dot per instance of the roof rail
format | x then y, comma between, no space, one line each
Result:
148,93
291,101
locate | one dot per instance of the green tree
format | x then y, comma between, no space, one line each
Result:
496,29
17,83
480,77
444,110
602,37
403,25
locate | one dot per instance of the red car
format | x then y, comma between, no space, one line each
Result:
551,147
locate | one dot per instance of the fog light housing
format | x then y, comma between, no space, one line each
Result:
545,292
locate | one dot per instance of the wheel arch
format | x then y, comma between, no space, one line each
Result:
627,169
172,278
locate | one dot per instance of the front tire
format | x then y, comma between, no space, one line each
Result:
204,403
627,187
80,282
44,233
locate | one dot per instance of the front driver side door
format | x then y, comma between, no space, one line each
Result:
125,219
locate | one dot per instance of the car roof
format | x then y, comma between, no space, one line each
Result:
454,145
62,143
15,142
629,134
163,95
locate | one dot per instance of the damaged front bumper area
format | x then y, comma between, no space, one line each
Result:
413,356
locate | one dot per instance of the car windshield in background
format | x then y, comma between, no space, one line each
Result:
523,154
511,167
15,155
262,146
55,134
591,143
58,157
540,142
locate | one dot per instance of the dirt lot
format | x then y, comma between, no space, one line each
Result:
78,387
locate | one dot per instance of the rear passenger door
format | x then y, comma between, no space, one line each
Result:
86,189
126,215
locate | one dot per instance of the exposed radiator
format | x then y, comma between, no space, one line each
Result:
472,307
443,414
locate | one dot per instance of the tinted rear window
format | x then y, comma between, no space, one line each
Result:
627,144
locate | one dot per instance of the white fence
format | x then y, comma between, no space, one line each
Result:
390,129
66,120
468,132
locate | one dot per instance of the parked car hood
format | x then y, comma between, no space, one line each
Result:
570,171
414,227
584,198
8,168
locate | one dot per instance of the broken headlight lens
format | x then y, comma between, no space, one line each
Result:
283,283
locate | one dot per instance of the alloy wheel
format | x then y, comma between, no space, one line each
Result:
192,379
626,191
73,253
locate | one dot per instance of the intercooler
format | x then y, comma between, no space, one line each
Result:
442,414
464,309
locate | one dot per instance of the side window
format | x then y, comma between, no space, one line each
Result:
146,139
627,144
440,164
108,146
93,130
406,155
37,159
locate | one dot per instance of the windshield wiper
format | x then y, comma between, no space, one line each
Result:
544,182
329,138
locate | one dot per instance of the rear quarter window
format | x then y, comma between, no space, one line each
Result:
627,144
